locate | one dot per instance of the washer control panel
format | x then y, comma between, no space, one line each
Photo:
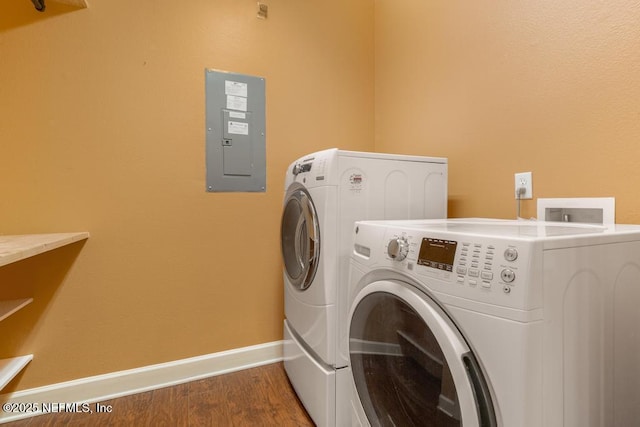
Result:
487,265
472,267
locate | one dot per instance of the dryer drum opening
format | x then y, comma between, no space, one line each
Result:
300,239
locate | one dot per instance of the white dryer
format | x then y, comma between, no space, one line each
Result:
326,192
493,323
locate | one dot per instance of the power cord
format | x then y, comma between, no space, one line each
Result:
519,193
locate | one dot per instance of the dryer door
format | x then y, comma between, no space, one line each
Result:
300,237
410,364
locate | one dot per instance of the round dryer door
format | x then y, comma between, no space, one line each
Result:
410,364
300,237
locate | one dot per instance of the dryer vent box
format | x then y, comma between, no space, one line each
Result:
235,129
589,210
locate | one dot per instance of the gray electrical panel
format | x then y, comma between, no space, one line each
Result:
235,129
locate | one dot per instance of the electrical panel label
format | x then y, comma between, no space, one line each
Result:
236,103
235,88
238,128
237,115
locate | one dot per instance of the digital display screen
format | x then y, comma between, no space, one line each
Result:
437,253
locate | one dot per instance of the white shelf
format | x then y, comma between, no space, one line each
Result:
7,308
9,368
15,248
18,247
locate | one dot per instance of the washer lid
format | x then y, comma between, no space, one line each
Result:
300,237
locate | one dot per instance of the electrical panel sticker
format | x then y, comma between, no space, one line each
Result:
238,128
236,93
236,103
235,88
237,115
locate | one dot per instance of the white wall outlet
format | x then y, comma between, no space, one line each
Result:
524,185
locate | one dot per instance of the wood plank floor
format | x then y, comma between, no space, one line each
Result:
259,396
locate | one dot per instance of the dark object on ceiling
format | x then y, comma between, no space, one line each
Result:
39,4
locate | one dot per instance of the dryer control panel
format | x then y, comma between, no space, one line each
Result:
312,170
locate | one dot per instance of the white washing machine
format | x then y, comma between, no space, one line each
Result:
493,323
326,192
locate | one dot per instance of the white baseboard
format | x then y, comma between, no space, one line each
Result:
117,384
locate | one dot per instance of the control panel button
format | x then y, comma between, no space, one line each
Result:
487,275
511,254
506,289
507,275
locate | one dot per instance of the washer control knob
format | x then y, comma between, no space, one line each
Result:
511,254
398,249
507,275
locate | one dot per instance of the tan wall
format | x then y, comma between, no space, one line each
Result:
102,129
551,87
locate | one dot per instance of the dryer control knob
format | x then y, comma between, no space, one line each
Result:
296,169
398,249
